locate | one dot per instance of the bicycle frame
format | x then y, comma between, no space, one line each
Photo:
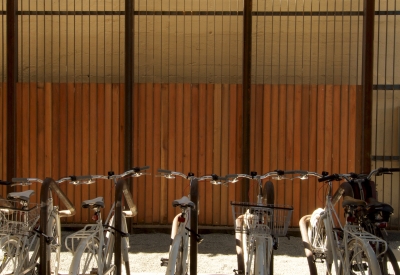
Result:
350,232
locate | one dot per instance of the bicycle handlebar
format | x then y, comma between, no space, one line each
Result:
2,182
215,179
348,177
134,172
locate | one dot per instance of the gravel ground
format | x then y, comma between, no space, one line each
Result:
216,253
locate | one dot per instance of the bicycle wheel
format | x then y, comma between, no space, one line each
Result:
177,258
8,254
362,259
86,257
54,230
388,263
323,256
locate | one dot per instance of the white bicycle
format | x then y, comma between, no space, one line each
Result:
259,225
93,246
20,231
335,249
176,263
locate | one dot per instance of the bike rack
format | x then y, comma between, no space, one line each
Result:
121,188
49,185
194,197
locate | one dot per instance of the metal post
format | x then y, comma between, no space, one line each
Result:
367,82
129,59
194,224
12,78
121,188
49,185
247,29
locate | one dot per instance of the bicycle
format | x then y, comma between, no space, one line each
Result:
19,230
176,263
93,246
335,249
259,225
373,217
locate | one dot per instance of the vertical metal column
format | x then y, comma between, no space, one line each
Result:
247,29
129,36
194,224
367,82
12,78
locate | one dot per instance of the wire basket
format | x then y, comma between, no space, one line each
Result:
261,219
14,220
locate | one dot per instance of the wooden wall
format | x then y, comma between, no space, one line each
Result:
78,128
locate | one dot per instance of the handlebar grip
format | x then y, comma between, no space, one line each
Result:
295,172
329,178
20,180
5,182
164,171
388,170
231,176
144,167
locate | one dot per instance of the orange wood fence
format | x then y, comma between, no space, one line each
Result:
77,128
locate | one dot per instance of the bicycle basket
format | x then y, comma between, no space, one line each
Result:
261,219
14,220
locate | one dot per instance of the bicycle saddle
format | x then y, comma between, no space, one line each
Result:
183,202
97,202
348,201
24,195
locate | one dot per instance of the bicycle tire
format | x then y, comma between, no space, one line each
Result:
86,257
54,228
8,258
388,263
362,259
177,258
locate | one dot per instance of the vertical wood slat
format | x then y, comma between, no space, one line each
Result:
78,130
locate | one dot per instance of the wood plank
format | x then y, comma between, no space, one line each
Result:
288,184
18,130
70,111
344,129
148,146
335,137
181,136
320,139
305,145
115,138
258,133
3,148
216,191
224,152
171,149
40,146
135,145
56,130
187,154
85,136
266,137
93,140
100,144
297,150
280,187
328,127
108,143
312,157
78,161
164,153
274,129
194,129
239,148
209,150
33,137
48,116
156,152
352,125
141,187
61,142
202,132
233,132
